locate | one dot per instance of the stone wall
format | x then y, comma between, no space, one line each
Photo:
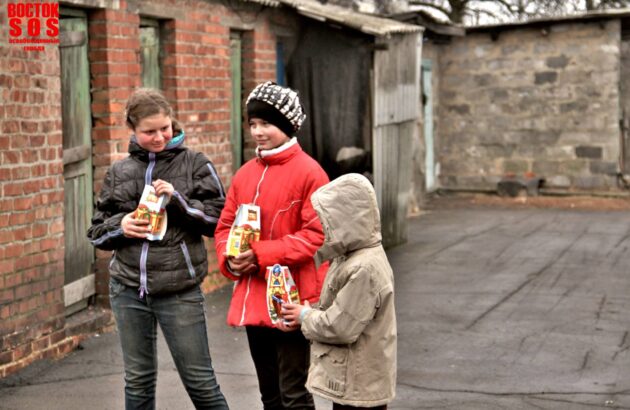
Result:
537,99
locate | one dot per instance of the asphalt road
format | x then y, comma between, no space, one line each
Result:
497,309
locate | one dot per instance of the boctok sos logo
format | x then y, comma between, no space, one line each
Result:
33,24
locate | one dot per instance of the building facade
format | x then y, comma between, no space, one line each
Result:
546,98
62,125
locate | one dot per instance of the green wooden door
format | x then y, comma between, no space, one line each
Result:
77,159
236,120
150,53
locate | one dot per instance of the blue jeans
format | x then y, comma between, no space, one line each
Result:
182,319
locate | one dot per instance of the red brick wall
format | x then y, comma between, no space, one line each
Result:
115,72
31,203
196,77
259,65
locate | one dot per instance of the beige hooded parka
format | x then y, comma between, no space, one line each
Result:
353,329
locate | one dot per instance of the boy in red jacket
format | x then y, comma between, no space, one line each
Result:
280,180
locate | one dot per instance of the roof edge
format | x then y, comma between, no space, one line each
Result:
592,15
367,23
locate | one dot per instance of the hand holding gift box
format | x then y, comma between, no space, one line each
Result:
245,229
153,209
281,289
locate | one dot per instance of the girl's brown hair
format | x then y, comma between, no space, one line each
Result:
145,102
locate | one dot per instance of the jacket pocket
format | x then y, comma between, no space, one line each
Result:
191,269
115,287
329,368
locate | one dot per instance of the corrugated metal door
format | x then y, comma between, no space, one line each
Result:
77,158
396,111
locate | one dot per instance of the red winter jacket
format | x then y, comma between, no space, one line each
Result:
281,183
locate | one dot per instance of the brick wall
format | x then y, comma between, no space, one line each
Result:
114,71
530,99
259,64
196,77
31,205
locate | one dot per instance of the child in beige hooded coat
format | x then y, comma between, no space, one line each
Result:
353,327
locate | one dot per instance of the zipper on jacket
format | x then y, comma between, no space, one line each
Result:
191,270
148,177
249,279
143,270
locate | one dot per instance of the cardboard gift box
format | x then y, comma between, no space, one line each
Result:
281,289
153,209
245,229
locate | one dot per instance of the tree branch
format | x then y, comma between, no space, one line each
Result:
437,7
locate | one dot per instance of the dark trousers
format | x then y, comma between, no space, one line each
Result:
281,360
337,406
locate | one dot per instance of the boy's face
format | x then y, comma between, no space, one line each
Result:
266,135
154,132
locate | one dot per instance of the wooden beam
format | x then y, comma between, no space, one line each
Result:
78,290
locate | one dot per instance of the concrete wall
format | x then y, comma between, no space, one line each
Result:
530,99
196,79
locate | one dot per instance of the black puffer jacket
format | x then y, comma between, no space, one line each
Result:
179,260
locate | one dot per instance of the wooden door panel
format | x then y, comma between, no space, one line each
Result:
150,54
77,153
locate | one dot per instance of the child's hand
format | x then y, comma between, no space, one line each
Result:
291,313
286,327
135,228
163,188
245,263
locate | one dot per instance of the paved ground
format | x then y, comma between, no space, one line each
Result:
497,309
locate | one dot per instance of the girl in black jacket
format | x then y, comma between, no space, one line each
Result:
157,282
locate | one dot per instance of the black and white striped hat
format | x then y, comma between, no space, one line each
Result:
282,99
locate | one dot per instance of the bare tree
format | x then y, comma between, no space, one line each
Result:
476,11
378,6
605,4
473,11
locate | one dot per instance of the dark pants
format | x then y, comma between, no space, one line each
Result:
182,320
337,406
281,360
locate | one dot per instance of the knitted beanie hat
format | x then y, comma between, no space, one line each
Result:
277,105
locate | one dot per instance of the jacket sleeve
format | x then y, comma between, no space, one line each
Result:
106,231
223,230
207,197
352,310
300,246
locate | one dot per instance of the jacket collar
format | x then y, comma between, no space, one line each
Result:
280,154
173,148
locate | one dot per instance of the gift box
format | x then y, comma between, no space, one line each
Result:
281,289
245,229
153,209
